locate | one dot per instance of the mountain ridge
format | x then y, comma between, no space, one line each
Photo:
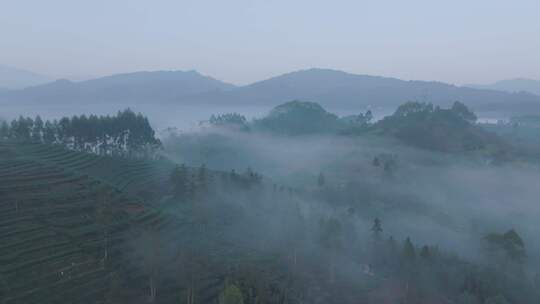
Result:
331,88
512,85
124,87
338,89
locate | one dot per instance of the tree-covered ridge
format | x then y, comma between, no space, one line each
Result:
294,118
233,121
435,128
207,236
418,124
314,249
298,117
124,134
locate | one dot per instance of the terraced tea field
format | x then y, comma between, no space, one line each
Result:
69,223
64,221
132,176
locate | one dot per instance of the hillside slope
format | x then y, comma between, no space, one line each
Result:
78,228
331,88
341,90
160,86
63,233
512,85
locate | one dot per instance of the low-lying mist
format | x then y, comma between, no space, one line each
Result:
448,200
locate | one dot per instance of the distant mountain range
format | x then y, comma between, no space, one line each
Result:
512,85
337,89
155,87
332,89
14,78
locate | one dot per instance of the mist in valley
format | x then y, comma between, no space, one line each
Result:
448,200
299,204
269,152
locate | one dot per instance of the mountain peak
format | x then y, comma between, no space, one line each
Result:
332,89
142,86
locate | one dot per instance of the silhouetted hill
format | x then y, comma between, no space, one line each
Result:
434,128
512,85
160,86
14,78
337,89
332,89
298,118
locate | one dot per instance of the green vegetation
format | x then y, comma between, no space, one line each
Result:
298,118
366,217
63,232
231,295
233,121
422,125
125,134
446,130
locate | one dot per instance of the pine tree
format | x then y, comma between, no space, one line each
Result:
376,162
233,176
408,268
49,133
21,128
321,180
425,252
377,229
4,130
409,253
37,130
332,240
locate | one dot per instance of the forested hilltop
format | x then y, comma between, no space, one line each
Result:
299,206
124,134
423,125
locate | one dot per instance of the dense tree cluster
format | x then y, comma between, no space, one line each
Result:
431,275
322,254
356,124
297,118
434,128
190,182
505,250
232,121
124,134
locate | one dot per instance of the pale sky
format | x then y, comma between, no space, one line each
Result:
241,41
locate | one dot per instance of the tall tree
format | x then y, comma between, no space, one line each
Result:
37,129
332,240
409,253
376,229
49,133
321,180
4,130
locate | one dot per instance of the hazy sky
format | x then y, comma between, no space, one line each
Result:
240,41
